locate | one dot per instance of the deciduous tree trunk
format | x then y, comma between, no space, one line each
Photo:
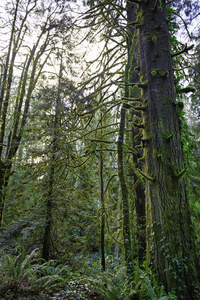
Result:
23,98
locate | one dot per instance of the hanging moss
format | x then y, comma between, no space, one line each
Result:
137,137
130,148
157,72
149,178
138,125
140,18
141,159
164,73
147,136
139,146
154,72
158,5
169,137
180,174
131,99
143,85
142,108
158,154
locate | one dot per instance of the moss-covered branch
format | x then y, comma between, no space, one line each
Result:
180,174
147,177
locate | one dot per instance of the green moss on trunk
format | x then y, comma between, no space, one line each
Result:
171,247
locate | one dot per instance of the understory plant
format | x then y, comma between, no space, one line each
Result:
114,284
28,270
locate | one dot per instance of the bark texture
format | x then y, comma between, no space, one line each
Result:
170,240
138,191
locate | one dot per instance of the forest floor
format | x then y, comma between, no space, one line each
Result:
81,292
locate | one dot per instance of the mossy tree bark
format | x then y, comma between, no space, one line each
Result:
138,190
170,238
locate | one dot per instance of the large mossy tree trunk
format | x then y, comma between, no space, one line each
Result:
171,242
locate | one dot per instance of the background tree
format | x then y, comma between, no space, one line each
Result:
11,135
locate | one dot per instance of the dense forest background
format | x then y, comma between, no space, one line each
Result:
99,149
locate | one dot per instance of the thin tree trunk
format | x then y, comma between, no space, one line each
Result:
8,57
171,244
5,173
103,263
50,196
125,196
49,206
13,141
8,78
12,144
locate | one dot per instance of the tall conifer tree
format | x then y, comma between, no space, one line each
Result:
170,239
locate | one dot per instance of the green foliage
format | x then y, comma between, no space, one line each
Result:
27,271
113,284
146,176
17,270
172,24
49,274
192,150
14,270
75,234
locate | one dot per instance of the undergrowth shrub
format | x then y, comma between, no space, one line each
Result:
113,284
14,270
28,270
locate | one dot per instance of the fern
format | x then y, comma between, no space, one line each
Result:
27,261
15,270
18,264
49,281
115,285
